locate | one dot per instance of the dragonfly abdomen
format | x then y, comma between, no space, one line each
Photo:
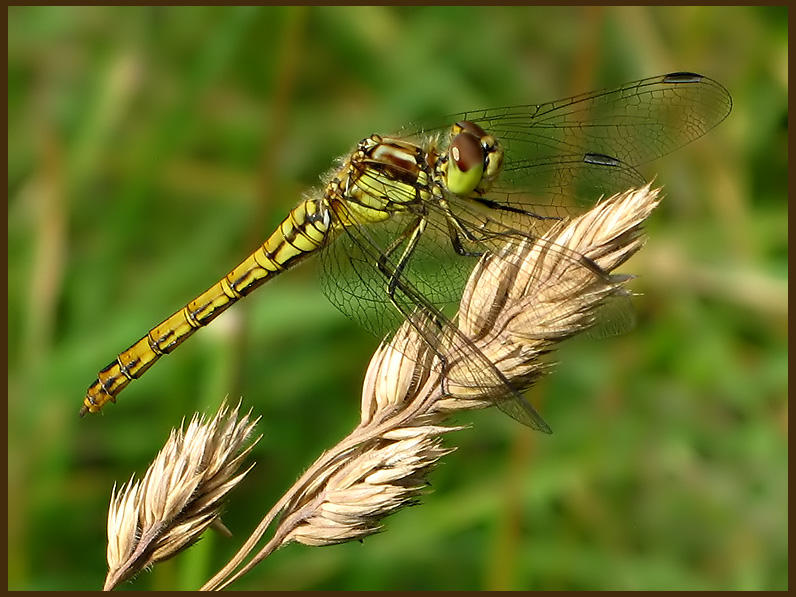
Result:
299,235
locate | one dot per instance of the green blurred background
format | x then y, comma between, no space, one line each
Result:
150,149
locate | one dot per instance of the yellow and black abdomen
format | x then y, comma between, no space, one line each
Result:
300,234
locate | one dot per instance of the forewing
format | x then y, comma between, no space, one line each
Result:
635,123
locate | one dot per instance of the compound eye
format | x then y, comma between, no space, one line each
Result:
465,164
467,152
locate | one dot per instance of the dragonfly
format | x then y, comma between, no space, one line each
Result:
400,222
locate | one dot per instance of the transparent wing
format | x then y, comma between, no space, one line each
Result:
635,123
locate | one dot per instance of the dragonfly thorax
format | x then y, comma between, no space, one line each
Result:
384,175
473,161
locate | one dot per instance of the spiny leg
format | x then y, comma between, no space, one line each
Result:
412,235
456,230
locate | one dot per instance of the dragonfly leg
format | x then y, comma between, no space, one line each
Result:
411,235
395,244
455,228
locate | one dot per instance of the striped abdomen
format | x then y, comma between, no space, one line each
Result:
299,235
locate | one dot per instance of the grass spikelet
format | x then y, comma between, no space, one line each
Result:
180,494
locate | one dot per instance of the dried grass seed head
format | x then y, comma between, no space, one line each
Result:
179,496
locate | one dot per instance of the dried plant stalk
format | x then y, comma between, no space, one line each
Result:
180,495
516,306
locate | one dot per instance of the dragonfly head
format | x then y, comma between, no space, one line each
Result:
474,159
